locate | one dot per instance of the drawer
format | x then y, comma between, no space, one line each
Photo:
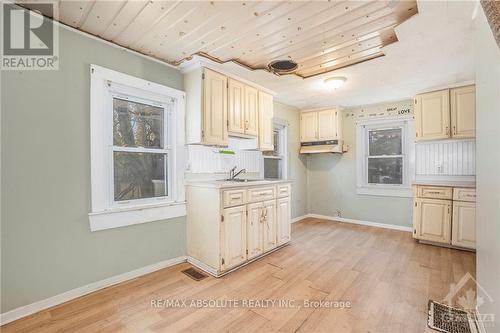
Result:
261,193
464,194
434,192
234,197
284,190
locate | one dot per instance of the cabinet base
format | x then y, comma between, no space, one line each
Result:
445,245
216,273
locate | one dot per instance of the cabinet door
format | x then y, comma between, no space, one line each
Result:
269,225
214,108
234,237
255,230
464,224
432,220
251,111
236,107
309,126
432,115
463,112
265,121
327,125
283,217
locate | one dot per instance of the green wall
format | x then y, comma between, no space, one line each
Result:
331,185
46,244
296,163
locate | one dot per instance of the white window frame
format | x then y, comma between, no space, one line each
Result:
408,154
107,213
281,126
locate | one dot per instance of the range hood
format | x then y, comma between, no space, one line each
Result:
330,146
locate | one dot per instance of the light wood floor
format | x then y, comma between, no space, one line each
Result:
385,274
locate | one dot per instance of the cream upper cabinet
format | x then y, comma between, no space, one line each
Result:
464,224
327,125
432,115
309,126
432,220
463,112
283,218
255,230
234,237
236,107
269,224
251,111
265,121
214,108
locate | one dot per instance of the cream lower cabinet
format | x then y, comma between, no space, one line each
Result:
464,224
445,215
283,218
234,236
227,227
432,220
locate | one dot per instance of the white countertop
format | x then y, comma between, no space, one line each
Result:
446,183
227,183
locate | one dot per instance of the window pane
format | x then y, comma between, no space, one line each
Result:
385,170
139,175
137,125
272,168
385,142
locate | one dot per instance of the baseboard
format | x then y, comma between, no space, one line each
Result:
29,309
299,218
360,222
195,262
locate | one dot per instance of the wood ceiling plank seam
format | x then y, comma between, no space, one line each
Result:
330,64
268,20
285,26
306,30
118,34
356,29
199,39
318,36
155,22
317,60
114,17
96,20
86,13
208,41
151,39
359,61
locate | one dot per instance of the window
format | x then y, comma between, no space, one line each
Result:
275,161
384,163
137,135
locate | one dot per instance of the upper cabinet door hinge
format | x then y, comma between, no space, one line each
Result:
222,218
415,101
203,76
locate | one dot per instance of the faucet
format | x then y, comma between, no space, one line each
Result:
232,174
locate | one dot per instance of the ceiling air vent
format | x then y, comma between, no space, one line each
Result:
282,66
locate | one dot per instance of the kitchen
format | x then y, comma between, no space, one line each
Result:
252,165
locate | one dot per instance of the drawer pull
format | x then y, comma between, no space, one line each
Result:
434,192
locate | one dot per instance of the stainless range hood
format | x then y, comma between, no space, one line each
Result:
330,146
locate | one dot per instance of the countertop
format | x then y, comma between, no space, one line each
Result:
227,183
470,184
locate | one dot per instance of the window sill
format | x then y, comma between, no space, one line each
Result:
404,192
135,215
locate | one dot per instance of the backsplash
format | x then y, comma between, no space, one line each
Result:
204,159
455,158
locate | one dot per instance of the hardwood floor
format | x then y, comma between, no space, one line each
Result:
385,274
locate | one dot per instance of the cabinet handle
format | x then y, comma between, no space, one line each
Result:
454,130
447,130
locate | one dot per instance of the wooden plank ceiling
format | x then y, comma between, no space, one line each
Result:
320,36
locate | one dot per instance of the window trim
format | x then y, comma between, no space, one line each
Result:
282,126
408,146
105,212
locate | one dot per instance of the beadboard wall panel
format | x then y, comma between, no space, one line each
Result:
446,158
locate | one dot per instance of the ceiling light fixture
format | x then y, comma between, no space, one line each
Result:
335,82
